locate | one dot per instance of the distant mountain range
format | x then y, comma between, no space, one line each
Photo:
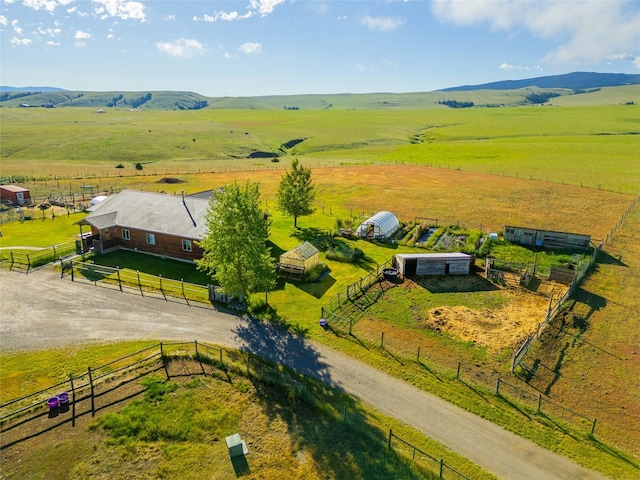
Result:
496,94
31,89
573,81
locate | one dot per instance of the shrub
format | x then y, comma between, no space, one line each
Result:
342,252
119,165
138,166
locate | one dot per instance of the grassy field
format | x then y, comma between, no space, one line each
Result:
570,168
175,429
594,146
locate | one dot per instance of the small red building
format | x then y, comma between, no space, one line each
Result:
14,195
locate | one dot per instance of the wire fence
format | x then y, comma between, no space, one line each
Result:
23,259
85,393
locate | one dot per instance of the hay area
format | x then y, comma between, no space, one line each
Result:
495,329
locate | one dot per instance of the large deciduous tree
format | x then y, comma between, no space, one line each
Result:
296,192
235,246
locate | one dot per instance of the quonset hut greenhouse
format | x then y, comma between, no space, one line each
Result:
381,226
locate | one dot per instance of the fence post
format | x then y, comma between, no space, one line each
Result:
11,252
390,433
539,402
498,386
593,426
54,252
441,467
73,402
418,356
119,281
29,263
458,372
71,270
164,362
382,340
93,405
140,287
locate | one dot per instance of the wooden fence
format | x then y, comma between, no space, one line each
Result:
141,283
28,259
581,270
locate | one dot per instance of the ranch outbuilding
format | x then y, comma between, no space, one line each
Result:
299,260
381,226
423,264
547,238
14,195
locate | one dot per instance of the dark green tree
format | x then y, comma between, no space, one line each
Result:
235,247
296,193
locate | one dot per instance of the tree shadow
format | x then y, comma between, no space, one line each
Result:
316,289
607,259
309,234
276,250
471,283
282,343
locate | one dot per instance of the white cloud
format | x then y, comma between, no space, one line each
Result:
264,7
51,43
80,44
250,48
77,11
120,8
381,24
255,7
47,5
183,47
169,17
51,32
4,21
511,68
587,31
80,35
16,28
228,55
636,62
343,17
20,41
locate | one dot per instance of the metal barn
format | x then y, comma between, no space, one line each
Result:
547,238
423,264
381,226
299,260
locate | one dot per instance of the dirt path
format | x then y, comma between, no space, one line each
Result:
40,310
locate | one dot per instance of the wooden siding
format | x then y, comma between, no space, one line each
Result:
165,245
547,238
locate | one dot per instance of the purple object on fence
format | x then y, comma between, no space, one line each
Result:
323,322
63,397
53,402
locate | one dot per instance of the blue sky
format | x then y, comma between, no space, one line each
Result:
286,47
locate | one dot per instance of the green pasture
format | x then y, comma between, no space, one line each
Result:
41,231
591,145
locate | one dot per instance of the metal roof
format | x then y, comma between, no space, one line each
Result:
433,255
303,251
13,188
151,212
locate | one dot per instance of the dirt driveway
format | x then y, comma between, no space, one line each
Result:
40,310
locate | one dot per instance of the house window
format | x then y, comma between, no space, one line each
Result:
186,245
125,234
151,239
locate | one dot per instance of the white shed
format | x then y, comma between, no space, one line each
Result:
382,225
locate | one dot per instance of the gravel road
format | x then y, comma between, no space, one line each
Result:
40,310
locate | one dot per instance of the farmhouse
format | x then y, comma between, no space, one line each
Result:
546,238
155,223
14,195
299,260
381,226
422,264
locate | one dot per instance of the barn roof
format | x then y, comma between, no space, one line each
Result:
14,188
304,251
151,212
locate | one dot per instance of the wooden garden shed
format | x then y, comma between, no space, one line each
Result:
299,260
